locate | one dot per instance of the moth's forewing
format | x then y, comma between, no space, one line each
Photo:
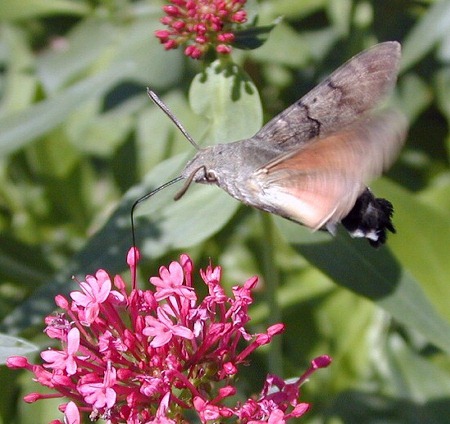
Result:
319,182
348,93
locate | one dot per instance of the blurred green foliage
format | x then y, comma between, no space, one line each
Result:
80,141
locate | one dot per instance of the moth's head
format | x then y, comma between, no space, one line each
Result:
202,168
208,164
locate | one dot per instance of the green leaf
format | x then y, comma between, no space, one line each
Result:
14,346
356,406
442,81
252,38
225,95
414,96
414,389
421,242
340,13
15,10
295,50
412,376
427,32
59,67
111,46
292,9
23,127
188,222
152,65
437,194
100,134
375,274
54,156
18,84
15,265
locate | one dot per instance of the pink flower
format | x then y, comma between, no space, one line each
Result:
162,329
94,292
57,327
148,357
171,282
101,394
207,411
64,360
17,362
201,25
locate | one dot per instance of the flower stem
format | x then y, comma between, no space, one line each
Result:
272,279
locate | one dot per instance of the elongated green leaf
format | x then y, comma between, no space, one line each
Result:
111,45
16,346
437,195
58,66
443,91
421,243
152,65
25,126
413,376
353,406
340,12
426,33
414,96
375,274
415,390
13,10
15,265
18,84
296,51
299,8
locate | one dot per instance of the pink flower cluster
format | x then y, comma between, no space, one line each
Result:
201,24
151,356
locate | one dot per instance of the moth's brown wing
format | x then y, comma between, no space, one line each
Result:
318,184
350,91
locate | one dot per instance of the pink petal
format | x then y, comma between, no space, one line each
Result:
181,331
73,341
72,414
161,339
103,286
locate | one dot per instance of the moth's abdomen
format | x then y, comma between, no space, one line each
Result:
370,218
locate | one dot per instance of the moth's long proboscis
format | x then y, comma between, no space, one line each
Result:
145,197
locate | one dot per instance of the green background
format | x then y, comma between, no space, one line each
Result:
80,141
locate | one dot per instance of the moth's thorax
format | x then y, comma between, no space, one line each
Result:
229,166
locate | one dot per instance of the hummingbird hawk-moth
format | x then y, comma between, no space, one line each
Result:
311,163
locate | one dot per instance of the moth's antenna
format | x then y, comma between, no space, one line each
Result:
142,199
167,111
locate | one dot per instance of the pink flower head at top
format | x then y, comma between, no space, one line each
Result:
200,25
157,356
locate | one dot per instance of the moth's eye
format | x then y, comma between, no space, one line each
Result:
210,176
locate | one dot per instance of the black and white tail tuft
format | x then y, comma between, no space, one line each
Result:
370,218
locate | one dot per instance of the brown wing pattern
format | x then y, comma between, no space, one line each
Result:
341,99
320,182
